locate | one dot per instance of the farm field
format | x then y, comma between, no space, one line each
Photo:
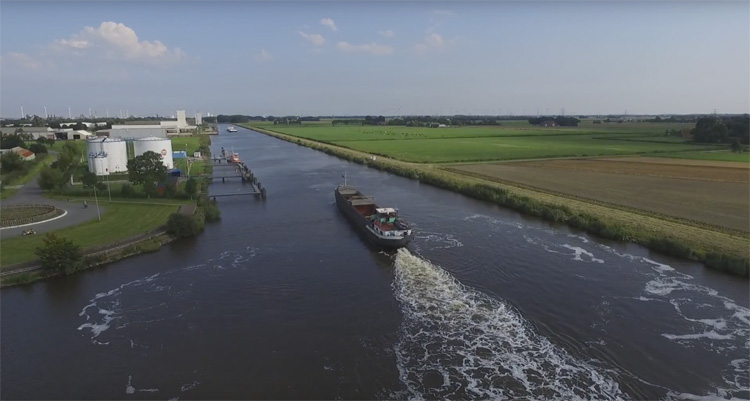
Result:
469,144
719,156
715,195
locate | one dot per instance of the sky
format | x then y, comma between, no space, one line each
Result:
374,57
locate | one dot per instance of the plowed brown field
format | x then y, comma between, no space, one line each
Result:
707,192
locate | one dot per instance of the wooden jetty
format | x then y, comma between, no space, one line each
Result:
239,170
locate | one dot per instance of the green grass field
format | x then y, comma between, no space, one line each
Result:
485,143
121,220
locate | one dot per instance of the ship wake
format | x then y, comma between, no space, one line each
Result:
456,342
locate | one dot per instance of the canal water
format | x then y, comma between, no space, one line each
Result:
282,300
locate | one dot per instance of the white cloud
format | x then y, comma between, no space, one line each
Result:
314,38
24,60
264,56
387,33
118,41
372,48
329,23
431,41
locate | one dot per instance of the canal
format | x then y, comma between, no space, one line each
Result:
282,299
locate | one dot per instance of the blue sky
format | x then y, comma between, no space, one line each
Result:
345,58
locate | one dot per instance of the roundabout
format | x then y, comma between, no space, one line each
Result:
12,216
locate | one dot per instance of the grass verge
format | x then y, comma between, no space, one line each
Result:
120,221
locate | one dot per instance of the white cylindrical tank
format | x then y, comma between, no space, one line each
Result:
117,154
160,146
98,164
114,149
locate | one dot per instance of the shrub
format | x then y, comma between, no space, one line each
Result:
38,148
183,226
212,212
59,254
126,191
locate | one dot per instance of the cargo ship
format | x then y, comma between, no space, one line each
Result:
380,225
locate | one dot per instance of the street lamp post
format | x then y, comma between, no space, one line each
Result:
97,205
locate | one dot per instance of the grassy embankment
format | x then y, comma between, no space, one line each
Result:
719,250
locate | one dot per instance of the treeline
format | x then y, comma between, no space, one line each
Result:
562,121
735,130
240,118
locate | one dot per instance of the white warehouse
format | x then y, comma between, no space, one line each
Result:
107,155
137,131
161,146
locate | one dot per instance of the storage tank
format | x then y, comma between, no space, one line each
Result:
114,148
160,146
98,164
117,154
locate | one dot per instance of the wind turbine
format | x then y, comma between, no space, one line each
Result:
70,116
46,116
22,115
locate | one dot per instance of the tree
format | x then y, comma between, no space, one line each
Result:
89,180
11,161
182,225
191,187
38,148
50,178
736,147
147,170
59,254
10,141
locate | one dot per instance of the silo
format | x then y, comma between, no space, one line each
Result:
117,155
159,146
98,164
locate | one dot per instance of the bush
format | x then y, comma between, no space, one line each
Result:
38,148
212,212
184,226
127,191
59,254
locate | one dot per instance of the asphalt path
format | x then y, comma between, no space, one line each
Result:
32,194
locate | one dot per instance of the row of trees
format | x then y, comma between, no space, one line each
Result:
722,130
563,121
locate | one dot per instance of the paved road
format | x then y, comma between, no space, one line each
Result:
31,193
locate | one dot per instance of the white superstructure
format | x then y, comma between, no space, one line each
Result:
160,146
113,151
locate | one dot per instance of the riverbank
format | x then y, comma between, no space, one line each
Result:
719,250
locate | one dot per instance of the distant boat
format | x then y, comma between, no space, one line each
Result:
380,225
234,158
231,129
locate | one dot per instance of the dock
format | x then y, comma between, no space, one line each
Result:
232,168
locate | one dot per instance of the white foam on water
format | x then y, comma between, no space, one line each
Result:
456,342
580,251
726,330
189,386
441,240
130,389
708,334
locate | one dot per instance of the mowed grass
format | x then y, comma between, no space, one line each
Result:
120,221
726,155
487,143
513,148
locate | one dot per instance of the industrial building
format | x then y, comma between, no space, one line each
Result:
162,130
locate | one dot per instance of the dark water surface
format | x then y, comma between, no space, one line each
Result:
282,300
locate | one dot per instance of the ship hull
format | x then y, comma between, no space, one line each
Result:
360,224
